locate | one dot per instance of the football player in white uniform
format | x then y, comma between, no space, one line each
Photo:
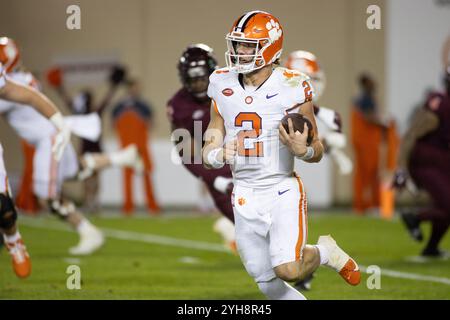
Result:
12,91
249,98
50,174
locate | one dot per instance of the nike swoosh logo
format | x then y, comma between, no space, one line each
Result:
281,192
268,96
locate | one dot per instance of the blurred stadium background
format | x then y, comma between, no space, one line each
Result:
404,57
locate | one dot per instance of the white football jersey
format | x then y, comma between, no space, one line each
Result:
253,117
28,123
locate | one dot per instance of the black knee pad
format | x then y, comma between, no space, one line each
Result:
8,213
60,208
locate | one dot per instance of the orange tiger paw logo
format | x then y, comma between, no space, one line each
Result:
241,201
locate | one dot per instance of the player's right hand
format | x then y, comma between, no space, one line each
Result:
229,151
400,179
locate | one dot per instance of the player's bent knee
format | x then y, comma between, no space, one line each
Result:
8,213
288,271
61,208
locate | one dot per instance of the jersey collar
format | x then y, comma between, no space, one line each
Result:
241,80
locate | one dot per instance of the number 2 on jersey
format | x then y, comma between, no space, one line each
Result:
256,121
308,92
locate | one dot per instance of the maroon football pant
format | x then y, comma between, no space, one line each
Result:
431,172
221,200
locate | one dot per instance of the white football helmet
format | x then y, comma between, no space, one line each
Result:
307,63
9,54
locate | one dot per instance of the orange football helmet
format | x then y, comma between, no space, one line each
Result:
257,29
307,63
9,54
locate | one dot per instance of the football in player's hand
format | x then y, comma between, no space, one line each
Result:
298,122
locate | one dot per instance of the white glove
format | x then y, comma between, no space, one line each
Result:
62,137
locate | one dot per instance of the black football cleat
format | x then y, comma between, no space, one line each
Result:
412,223
435,253
305,284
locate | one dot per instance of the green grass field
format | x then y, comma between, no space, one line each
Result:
153,260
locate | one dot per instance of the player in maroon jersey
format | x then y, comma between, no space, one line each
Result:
189,108
425,157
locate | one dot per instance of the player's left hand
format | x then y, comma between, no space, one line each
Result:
295,141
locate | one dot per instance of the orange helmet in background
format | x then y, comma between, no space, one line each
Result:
261,29
307,63
9,54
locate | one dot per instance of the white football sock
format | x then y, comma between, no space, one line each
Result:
324,254
84,226
13,238
277,289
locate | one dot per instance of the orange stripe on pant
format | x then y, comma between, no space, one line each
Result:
302,221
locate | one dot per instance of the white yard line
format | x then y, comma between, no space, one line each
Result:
199,245
130,236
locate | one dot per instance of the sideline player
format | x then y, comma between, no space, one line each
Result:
188,108
49,175
83,103
249,98
13,91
